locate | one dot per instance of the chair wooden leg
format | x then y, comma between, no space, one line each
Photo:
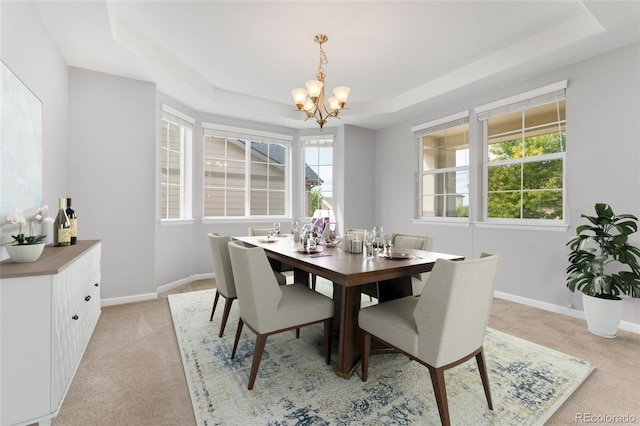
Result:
297,333
440,391
313,282
328,334
365,348
215,303
238,333
225,315
257,357
482,367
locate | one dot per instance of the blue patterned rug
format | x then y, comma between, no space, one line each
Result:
295,386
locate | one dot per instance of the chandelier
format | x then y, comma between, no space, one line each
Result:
312,100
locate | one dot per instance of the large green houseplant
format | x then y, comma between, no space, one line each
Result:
603,264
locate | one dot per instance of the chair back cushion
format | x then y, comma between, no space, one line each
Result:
259,231
418,242
453,310
258,291
219,248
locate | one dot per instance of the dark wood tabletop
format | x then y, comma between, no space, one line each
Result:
347,269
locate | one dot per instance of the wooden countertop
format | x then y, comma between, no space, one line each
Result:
52,261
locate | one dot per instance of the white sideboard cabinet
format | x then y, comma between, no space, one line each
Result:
48,311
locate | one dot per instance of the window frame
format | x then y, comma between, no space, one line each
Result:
521,103
248,136
307,141
186,124
431,127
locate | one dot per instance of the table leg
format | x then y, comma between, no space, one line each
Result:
347,306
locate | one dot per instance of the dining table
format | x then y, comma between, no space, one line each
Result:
348,271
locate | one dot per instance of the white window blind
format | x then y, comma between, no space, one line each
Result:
439,124
229,132
177,117
544,95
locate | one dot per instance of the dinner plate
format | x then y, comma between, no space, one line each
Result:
310,251
397,256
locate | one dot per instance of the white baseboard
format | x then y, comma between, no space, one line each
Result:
151,296
624,325
129,299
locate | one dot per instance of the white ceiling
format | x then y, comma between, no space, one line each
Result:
241,59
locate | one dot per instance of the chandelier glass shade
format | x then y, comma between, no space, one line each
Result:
312,100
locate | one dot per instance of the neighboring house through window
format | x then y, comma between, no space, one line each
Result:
176,135
246,172
524,156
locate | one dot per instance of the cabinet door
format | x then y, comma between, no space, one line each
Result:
25,353
76,307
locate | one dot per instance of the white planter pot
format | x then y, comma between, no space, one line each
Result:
25,253
603,315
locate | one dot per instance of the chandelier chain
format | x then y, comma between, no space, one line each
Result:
323,59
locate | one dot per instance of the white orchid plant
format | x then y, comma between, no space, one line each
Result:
18,218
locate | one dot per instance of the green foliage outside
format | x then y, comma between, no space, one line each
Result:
316,199
537,185
462,211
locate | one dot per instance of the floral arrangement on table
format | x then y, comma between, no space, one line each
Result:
18,218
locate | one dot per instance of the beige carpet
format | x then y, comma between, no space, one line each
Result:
132,374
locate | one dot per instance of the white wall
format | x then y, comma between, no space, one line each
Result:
603,151
28,50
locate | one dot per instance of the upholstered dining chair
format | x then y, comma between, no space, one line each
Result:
418,242
261,231
225,284
399,241
441,329
268,309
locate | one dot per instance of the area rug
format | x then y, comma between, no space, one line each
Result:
296,387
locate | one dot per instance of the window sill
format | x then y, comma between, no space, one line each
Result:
444,221
176,222
257,219
560,227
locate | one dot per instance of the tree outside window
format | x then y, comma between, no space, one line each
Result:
525,163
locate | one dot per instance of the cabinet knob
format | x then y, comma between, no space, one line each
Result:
87,298
75,317
96,285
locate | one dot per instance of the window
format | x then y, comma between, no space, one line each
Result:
246,173
444,167
524,156
175,143
318,175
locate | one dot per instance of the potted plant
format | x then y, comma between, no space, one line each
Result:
27,248
604,266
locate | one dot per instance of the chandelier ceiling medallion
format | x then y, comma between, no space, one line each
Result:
312,101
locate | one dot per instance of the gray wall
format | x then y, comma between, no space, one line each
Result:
84,113
603,151
112,147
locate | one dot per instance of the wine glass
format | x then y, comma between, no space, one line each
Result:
368,237
387,243
378,232
276,228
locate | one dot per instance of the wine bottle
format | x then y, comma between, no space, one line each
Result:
73,221
61,226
